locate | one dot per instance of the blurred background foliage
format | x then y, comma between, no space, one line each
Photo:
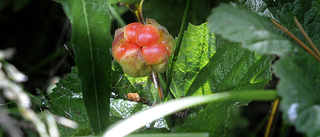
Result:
39,29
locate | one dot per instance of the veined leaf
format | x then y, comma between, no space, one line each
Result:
66,101
197,47
91,41
125,84
299,89
255,32
137,120
299,75
207,64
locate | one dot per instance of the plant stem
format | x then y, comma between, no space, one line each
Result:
178,45
136,9
137,120
271,120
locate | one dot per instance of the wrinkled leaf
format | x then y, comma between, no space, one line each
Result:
66,101
137,120
125,84
299,72
212,66
255,32
207,65
299,75
91,41
170,135
299,89
120,109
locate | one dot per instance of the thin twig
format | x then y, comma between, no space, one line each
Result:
296,39
306,36
273,112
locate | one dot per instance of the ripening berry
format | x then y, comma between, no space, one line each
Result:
130,32
154,54
137,46
148,35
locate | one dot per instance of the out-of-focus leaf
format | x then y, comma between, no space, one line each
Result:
91,41
158,10
299,75
169,13
252,30
299,89
259,6
113,1
208,65
19,4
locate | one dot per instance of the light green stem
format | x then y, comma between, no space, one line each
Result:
178,45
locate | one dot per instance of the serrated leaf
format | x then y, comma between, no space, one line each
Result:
120,109
208,65
66,101
91,41
299,75
252,30
205,66
197,47
125,84
299,89
137,120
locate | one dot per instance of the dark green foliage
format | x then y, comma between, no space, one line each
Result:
66,100
298,72
208,65
91,40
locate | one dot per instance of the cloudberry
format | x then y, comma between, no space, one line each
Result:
137,46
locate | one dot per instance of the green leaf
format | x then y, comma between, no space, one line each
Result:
255,32
125,84
299,75
66,101
19,4
120,109
197,47
208,65
299,89
137,120
91,41
170,135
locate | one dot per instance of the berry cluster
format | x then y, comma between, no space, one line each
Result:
137,46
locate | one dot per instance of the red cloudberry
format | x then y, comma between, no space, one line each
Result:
136,46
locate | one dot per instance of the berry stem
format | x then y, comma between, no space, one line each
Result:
136,9
155,80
